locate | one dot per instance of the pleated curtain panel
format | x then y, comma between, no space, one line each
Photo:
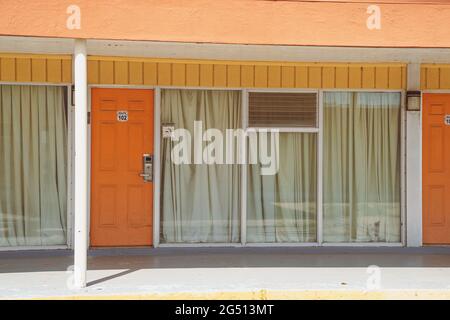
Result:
283,207
199,202
33,167
361,167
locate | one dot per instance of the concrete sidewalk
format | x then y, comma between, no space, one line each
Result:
232,273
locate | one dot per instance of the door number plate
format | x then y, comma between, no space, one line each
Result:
447,119
122,116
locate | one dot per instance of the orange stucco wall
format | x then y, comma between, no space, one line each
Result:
417,24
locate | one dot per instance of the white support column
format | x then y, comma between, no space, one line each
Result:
157,168
81,164
413,166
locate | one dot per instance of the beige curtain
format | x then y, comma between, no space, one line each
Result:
33,167
282,207
361,167
199,202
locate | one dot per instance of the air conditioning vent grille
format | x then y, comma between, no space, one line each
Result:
282,109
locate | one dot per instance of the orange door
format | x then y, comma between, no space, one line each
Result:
436,168
121,201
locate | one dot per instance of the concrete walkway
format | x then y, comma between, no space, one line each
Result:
232,273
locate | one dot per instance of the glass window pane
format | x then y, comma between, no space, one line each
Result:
361,167
200,192
33,170
281,207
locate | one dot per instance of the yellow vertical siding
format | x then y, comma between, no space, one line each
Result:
328,77
211,73
179,74
274,76
54,70
106,69
315,77
395,77
38,70
301,77
354,77
341,77
206,75
93,74
234,76
66,66
136,73
247,74
35,68
435,77
381,77
368,77
8,69
260,76
150,73
220,75
192,75
23,69
423,77
164,74
444,78
121,72
287,77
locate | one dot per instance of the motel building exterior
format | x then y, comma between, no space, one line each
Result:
92,95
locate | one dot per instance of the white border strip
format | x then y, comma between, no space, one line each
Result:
156,165
244,170
319,170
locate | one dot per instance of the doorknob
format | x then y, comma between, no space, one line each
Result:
147,161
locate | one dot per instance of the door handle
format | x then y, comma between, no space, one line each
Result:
147,162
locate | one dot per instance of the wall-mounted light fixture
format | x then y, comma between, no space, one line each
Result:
413,100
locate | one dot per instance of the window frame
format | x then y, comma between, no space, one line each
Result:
311,130
402,173
67,87
319,131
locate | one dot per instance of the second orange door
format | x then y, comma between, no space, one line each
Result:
436,168
121,201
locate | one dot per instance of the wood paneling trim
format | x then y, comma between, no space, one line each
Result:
248,74
36,68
